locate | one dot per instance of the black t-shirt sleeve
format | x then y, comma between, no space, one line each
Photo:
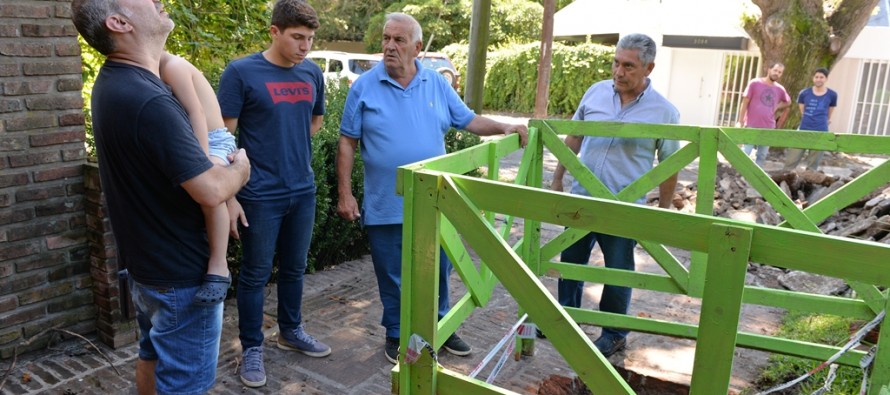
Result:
166,136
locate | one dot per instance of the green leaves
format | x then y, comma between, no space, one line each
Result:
211,33
512,73
334,240
449,22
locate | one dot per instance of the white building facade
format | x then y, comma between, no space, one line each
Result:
705,58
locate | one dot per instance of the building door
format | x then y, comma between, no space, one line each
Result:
695,84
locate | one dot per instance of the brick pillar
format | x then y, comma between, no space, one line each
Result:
115,313
44,266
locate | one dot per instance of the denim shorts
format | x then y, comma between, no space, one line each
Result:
181,336
221,143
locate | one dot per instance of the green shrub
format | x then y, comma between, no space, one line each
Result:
512,73
212,33
449,22
334,240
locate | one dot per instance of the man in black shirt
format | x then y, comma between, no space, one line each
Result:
156,177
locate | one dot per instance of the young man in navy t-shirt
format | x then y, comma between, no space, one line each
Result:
275,99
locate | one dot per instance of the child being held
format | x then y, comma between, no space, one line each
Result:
198,99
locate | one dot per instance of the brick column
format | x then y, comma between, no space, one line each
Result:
115,313
44,257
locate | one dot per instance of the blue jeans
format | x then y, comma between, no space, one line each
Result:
793,157
618,253
181,336
386,252
762,152
279,228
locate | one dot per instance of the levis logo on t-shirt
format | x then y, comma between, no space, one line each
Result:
289,92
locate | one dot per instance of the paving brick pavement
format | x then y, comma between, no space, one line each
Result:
342,308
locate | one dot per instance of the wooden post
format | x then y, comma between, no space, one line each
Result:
542,95
721,308
475,81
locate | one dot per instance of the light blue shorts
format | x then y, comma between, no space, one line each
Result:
181,336
221,143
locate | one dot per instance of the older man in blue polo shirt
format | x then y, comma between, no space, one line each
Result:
400,112
617,162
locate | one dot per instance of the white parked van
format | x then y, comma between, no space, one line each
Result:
337,64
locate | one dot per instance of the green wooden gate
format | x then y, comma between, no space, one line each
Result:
445,208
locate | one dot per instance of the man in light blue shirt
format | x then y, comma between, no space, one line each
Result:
617,162
400,112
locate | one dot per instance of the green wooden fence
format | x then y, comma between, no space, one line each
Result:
445,208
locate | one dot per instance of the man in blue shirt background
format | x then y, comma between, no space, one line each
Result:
617,162
400,112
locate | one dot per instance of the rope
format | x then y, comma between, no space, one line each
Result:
854,341
865,365
497,347
500,364
832,374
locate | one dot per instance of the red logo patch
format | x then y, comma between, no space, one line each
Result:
289,92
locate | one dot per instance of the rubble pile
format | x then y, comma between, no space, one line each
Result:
866,219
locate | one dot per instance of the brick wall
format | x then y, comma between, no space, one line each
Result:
45,276
114,321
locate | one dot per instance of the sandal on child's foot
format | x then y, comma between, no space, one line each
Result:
213,290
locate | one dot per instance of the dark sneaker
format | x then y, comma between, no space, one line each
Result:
253,374
457,346
539,334
610,345
298,340
391,349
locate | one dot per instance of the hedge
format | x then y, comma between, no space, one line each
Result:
512,75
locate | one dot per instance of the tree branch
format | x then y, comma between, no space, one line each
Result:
848,20
769,7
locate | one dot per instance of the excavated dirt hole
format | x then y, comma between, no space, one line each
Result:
642,385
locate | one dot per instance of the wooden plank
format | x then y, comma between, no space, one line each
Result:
821,254
530,293
720,309
608,129
626,278
860,144
767,188
678,273
880,371
872,179
574,166
420,281
654,177
814,351
453,383
706,185
811,303
463,263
